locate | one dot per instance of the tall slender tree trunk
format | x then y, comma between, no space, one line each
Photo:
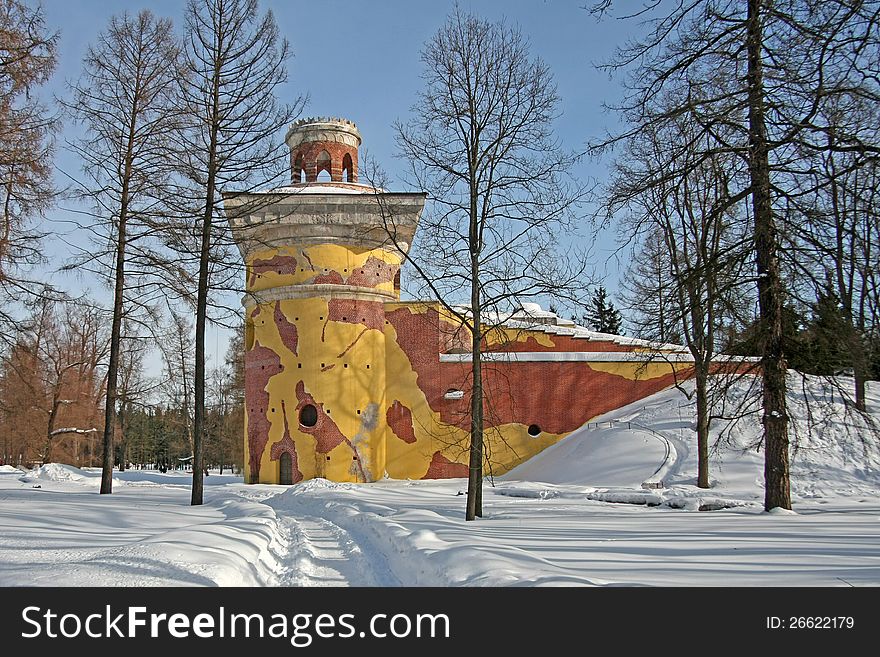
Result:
702,380
773,365
116,325
115,344
201,319
198,462
475,464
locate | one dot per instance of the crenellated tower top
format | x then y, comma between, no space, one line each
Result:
323,144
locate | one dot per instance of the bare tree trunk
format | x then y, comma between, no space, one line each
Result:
773,365
860,367
201,320
115,337
47,450
701,375
475,465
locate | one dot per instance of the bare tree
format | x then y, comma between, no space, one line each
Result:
27,58
835,227
689,224
481,144
124,100
53,380
133,387
647,294
754,76
235,60
178,358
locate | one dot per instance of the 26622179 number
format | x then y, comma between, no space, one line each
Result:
821,622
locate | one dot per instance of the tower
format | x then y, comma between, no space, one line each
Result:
320,266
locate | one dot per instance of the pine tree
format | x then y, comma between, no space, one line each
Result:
601,315
827,334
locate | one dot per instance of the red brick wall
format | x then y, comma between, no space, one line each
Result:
310,151
558,396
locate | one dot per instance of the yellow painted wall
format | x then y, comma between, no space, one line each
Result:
341,364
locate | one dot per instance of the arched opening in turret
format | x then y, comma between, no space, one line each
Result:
346,168
323,166
299,172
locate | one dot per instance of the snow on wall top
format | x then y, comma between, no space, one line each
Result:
532,317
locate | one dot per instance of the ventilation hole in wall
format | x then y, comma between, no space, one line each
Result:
344,319
534,430
359,411
299,366
344,271
354,458
273,410
321,318
368,367
345,365
328,458
279,271
322,364
308,416
296,319
262,367
327,411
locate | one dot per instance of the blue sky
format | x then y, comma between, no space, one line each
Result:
360,60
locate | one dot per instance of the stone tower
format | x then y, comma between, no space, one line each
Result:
320,267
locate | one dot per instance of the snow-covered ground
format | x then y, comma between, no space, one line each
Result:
576,514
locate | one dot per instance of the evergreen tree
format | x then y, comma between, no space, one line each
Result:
827,334
601,315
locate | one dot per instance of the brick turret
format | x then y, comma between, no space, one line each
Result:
323,144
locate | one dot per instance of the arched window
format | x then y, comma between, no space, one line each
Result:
347,175
285,469
299,172
323,165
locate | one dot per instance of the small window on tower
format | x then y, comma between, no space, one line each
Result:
308,416
346,168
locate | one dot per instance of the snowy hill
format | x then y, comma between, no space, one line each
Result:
576,514
836,451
